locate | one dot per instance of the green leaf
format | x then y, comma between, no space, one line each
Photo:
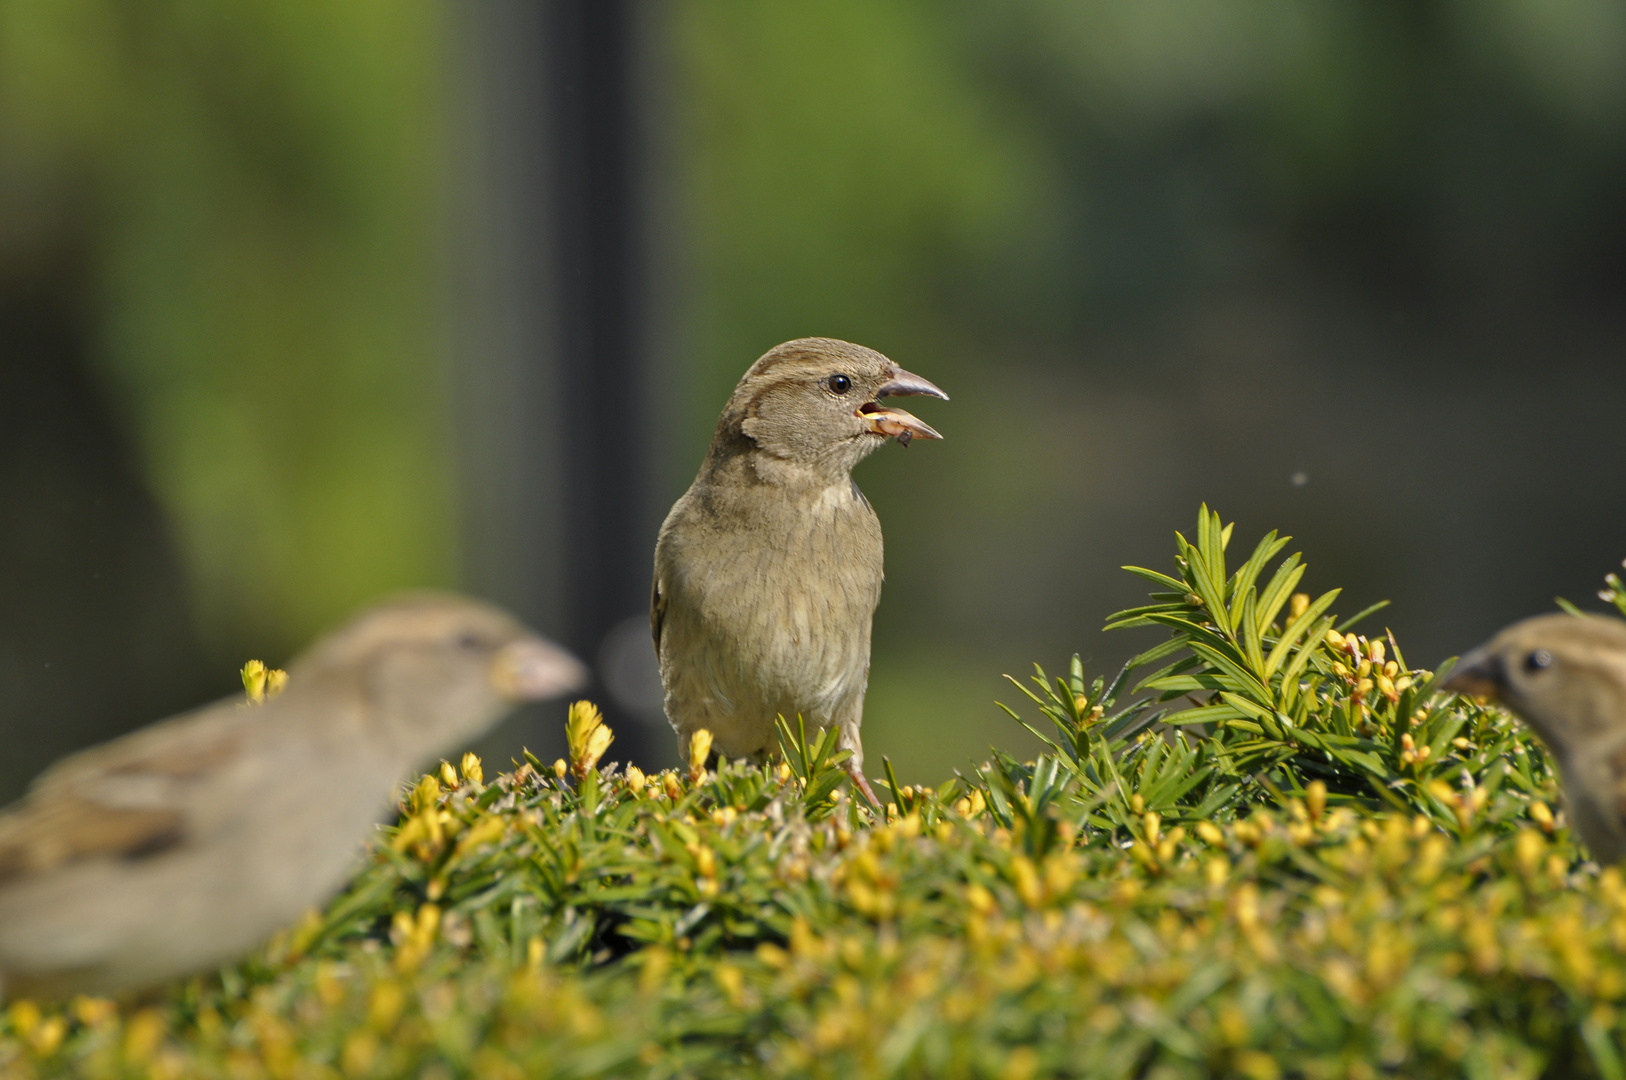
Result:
1296,629
1363,613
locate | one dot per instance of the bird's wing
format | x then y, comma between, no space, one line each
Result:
657,612
53,832
125,799
181,748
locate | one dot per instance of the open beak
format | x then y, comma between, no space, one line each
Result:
1480,674
899,423
531,669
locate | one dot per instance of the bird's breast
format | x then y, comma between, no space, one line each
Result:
770,610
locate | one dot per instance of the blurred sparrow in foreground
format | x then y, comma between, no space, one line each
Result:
1566,677
768,570
183,845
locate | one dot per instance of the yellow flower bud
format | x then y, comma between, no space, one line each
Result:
705,862
1528,848
560,769
472,772
636,779
48,1036
1315,799
1210,834
254,680
1542,815
699,751
1364,668
1297,604
1152,822
276,681
425,794
1335,640
1026,879
24,1016
673,787
448,776
588,737
598,742
1375,651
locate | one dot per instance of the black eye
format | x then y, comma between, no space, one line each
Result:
1538,660
468,639
839,384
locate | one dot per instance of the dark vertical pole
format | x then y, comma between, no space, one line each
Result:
600,298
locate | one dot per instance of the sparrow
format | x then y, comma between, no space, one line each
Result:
1565,676
768,569
182,846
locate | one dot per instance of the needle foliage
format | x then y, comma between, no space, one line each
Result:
1267,848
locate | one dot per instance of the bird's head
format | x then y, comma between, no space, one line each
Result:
1566,676
820,403
440,668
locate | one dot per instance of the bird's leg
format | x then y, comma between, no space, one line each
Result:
862,784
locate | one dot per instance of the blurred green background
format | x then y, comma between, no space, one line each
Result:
268,282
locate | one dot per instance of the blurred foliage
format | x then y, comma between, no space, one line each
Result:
1253,869
242,200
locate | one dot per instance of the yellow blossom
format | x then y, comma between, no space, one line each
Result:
588,737
425,794
699,751
1315,799
470,766
254,680
1026,879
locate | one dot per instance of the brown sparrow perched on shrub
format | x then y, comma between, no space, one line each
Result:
768,569
184,845
1566,677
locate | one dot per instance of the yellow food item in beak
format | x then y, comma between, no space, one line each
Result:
895,423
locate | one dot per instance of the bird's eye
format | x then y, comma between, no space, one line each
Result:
1539,660
839,384
468,639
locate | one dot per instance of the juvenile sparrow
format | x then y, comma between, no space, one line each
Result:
183,845
1566,677
768,569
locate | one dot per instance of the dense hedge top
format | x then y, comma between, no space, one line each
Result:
1283,854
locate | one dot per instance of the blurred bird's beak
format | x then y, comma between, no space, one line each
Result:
531,669
1479,674
896,423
